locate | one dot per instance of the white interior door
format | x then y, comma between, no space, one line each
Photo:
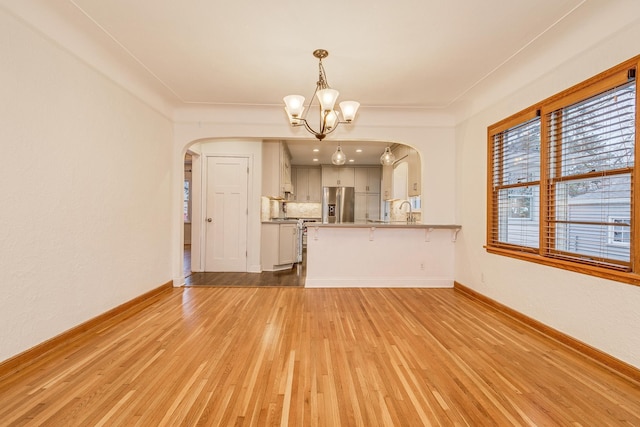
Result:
226,214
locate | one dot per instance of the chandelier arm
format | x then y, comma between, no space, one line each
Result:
308,108
333,128
323,121
309,128
318,134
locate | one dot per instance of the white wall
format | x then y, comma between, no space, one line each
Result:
384,256
431,134
85,180
601,313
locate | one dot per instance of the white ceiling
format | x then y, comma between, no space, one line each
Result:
358,153
407,53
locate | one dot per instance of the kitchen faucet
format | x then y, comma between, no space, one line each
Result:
410,216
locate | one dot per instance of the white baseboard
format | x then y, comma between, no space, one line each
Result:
254,269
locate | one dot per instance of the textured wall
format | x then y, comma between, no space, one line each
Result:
601,313
85,175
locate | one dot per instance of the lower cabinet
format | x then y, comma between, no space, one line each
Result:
279,246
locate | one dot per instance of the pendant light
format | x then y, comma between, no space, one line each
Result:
387,157
338,158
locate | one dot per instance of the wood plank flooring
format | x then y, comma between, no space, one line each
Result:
294,276
259,356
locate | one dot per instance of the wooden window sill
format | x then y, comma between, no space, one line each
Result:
605,273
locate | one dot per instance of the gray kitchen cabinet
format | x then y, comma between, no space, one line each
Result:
315,185
367,206
414,179
338,176
307,184
276,169
367,179
367,188
279,245
287,243
387,182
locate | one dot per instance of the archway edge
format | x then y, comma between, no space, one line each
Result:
430,134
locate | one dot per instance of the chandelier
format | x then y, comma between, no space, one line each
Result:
329,118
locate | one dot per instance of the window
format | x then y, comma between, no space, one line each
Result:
185,206
619,232
516,184
562,179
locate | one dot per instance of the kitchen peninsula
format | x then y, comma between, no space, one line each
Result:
379,254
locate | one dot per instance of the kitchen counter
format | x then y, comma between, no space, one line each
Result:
381,254
387,224
281,221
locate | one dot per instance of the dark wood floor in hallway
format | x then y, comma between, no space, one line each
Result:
256,356
294,276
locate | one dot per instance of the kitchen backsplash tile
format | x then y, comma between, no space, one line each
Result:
401,214
270,209
304,210
265,209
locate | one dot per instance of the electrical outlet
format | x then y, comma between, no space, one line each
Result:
482,277
422,266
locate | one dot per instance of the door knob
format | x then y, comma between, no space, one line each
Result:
209,219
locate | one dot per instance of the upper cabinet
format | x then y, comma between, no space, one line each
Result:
276,169
395,190
307,183
367,179
387,182
414,180
367,189
338,176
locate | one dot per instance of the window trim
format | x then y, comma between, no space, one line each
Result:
627,272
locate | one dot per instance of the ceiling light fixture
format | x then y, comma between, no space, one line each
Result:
329,118
387,157
338,158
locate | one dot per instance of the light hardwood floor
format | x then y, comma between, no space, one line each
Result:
225,356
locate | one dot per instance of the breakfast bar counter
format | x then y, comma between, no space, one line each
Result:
380,254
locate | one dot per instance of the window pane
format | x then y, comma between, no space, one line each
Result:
519,216
519,153
598,133
185,208
587,209
620,233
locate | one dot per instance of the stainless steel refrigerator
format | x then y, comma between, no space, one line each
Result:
338,204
